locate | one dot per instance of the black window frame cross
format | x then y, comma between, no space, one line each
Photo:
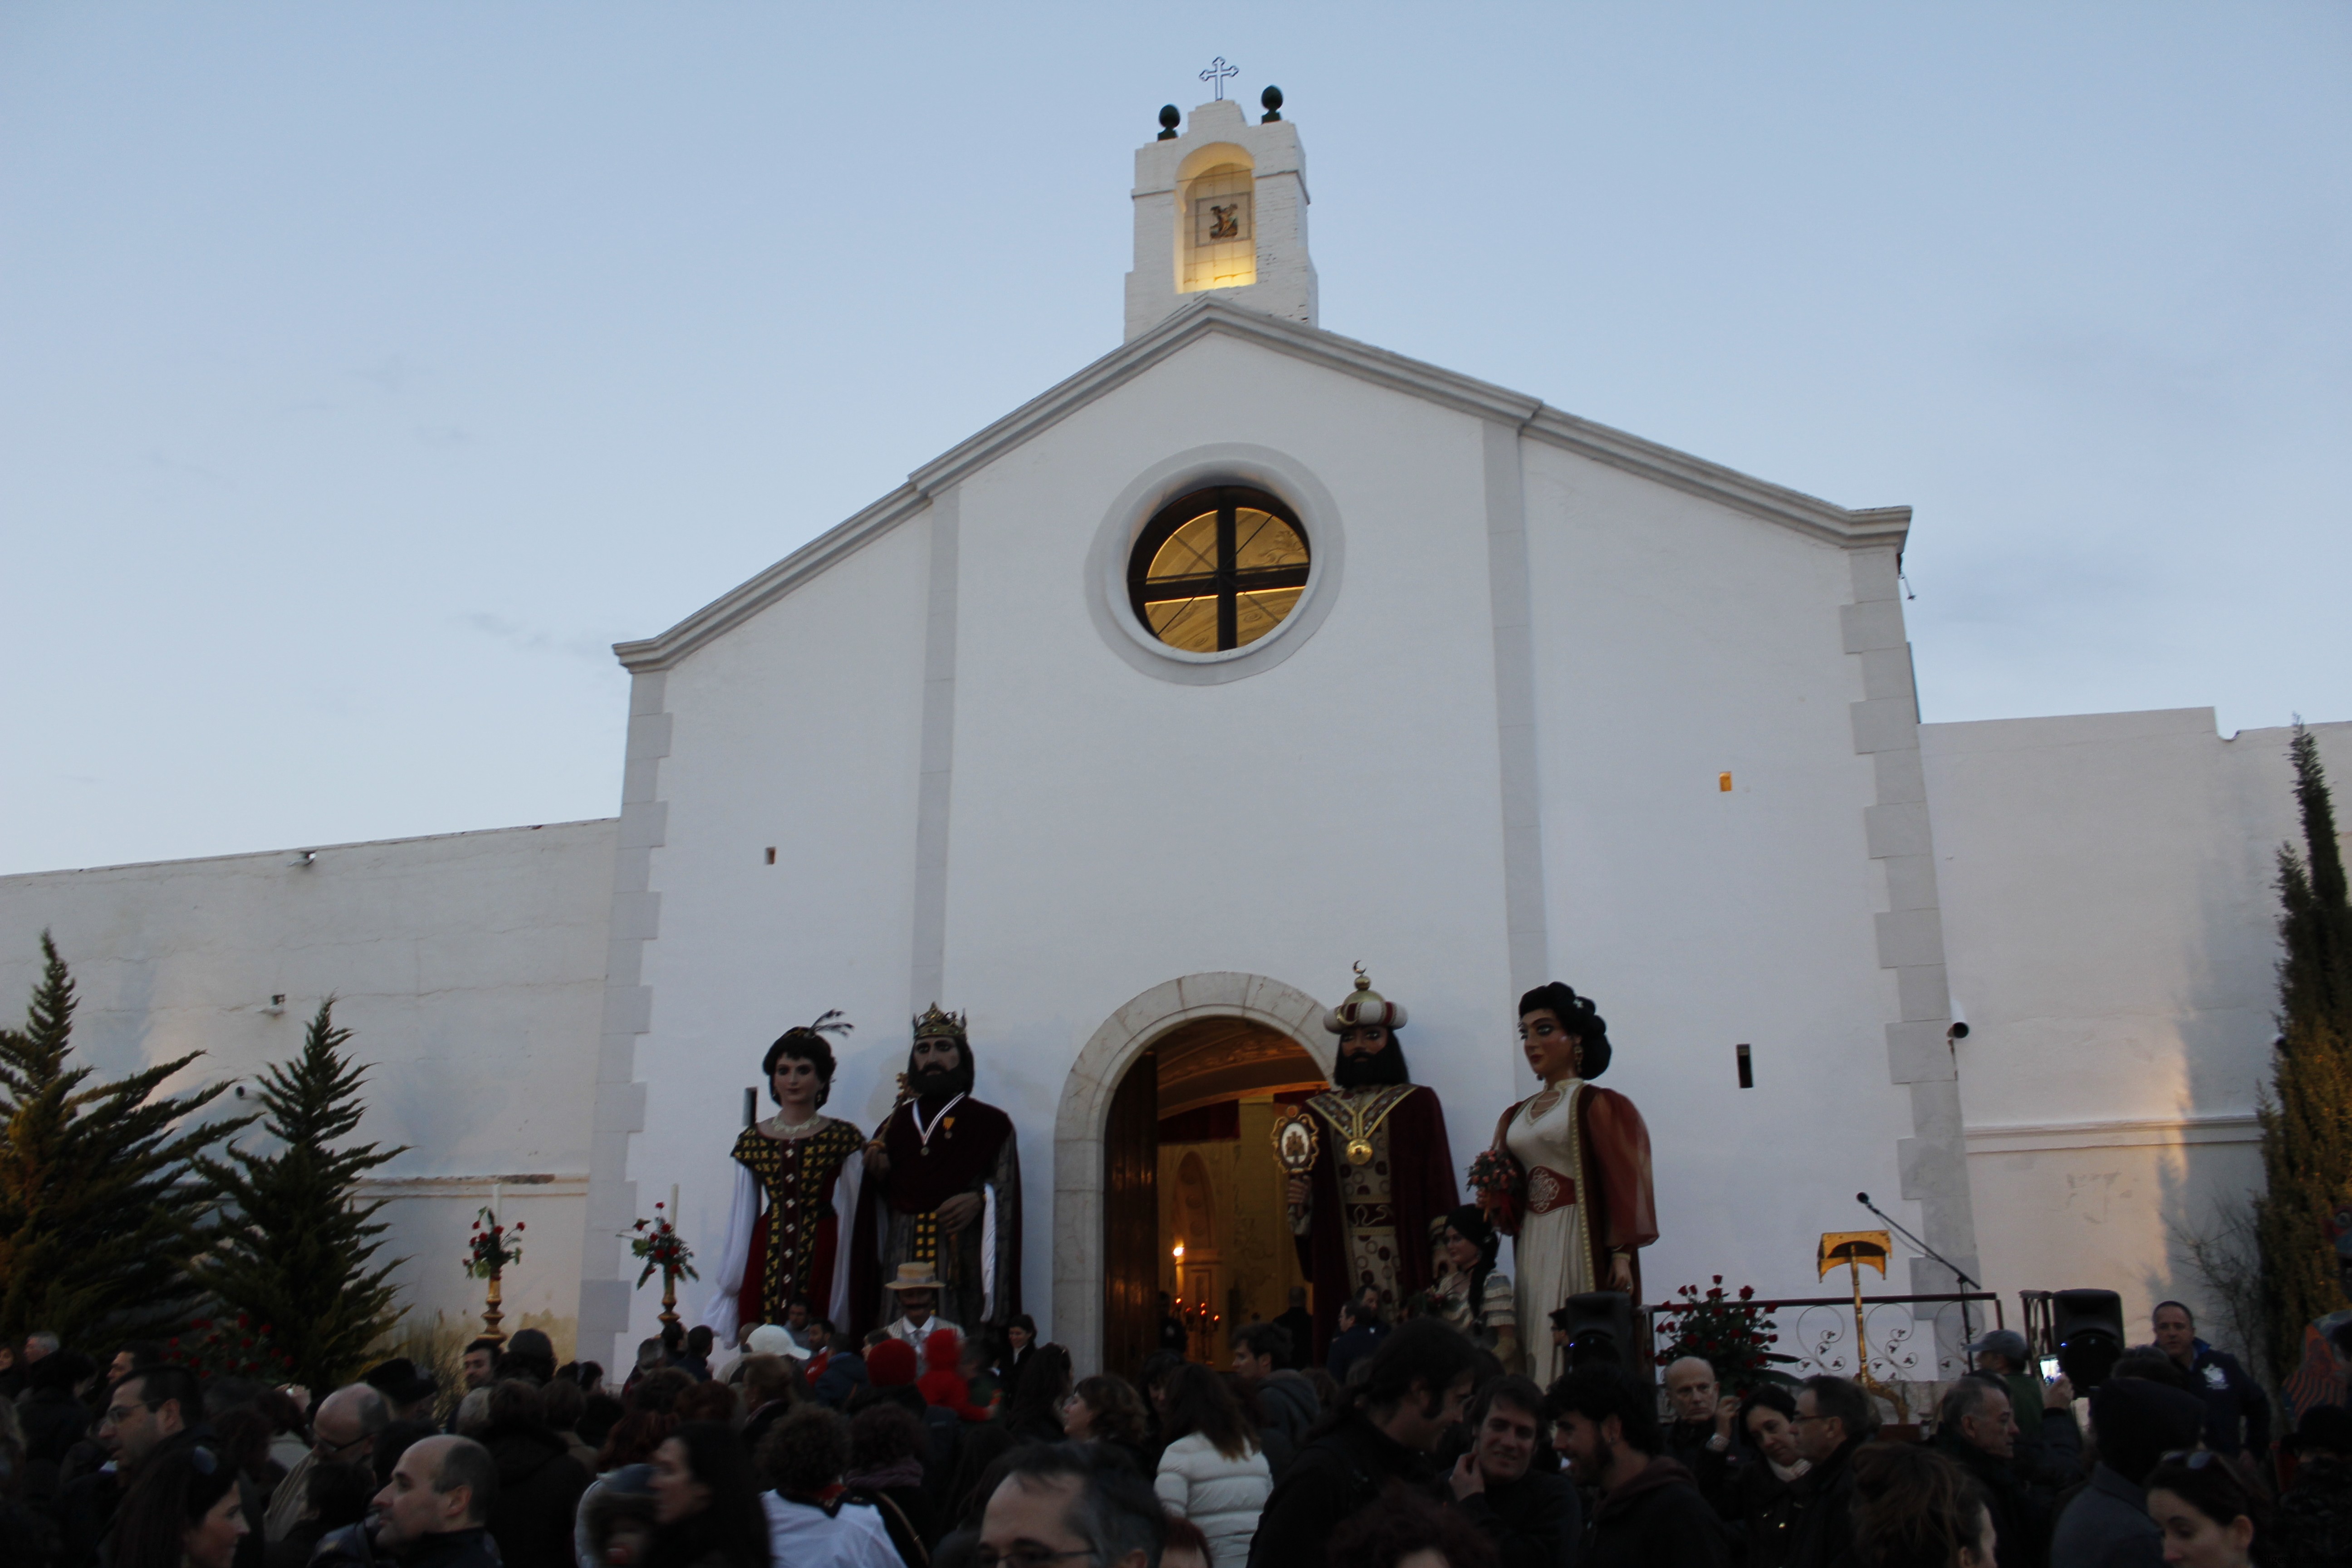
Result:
1228,582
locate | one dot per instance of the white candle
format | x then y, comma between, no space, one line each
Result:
494,1203
673,1205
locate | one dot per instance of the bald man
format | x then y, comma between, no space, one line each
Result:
1700,1435
435,1510
342,1432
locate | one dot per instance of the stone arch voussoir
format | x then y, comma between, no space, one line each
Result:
1125,1034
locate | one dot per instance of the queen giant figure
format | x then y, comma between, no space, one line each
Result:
796,1183
1590,1206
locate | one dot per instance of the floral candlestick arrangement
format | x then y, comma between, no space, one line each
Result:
487,1253
657,1242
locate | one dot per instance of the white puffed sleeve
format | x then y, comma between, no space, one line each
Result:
844,1234
718,1315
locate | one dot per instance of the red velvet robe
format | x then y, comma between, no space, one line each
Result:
974,1148
1421,1187
1616,1181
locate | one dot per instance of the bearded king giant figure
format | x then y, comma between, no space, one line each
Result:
1362,1216
942,1188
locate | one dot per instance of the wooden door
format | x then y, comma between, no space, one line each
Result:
1132,1220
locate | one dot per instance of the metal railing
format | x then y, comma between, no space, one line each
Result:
1906,1343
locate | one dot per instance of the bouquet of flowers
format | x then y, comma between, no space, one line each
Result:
488,1250
662,1248
214,1347
1501,1185
1728,1332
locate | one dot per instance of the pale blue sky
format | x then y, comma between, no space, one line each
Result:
366,369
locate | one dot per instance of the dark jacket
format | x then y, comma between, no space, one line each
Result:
53,1421
88,1506
1824,1497
1333,1477
982,1446
1687,1445
757,1426
349,1547
2106,1526
2021,1514
540,1485
1291,1405
907,1512
1658,1520
2236,1412
2052,1458
1761,1507
844,1375
1351,1347
1008,1376
1535,1521
1299,1324
2314,1519
454,1549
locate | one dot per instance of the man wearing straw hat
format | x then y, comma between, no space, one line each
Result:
917,1290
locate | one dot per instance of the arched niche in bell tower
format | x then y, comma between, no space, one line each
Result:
1216,219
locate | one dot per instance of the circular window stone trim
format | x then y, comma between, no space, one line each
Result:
1221,463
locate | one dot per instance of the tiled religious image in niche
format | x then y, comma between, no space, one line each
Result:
1221,248
1222,219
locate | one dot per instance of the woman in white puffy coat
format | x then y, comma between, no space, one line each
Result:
1211,1472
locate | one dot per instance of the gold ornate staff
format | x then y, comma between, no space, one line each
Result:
1855,1248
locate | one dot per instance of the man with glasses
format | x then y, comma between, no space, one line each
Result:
1076,1503
159,1408
1834,1417
342,1432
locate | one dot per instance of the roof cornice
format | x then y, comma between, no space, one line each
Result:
1199,319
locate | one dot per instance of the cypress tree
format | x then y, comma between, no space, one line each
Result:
2307,1121
100,1187
296,1250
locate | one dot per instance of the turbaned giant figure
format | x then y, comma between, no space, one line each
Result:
1383,1172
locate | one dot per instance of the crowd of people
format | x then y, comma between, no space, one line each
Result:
938,1450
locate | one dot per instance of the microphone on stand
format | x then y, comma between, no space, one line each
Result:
1967,1329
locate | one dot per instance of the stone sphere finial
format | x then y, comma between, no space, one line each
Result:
1169,117
1272,98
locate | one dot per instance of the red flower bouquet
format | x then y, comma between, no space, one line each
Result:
1501,1185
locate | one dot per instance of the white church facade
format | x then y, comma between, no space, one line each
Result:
1248,653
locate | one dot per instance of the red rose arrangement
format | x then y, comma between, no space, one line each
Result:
1501,1185
662,1248
488,1251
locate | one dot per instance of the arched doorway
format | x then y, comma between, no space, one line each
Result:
1210,1047
1223,1252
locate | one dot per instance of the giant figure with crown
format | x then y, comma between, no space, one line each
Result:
942,1191
1383,1177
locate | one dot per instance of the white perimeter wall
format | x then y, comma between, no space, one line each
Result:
2110,918
469,965
1109,832
1677,641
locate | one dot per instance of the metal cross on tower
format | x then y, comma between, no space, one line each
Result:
1217,72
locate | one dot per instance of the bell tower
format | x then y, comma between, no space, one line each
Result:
1221,207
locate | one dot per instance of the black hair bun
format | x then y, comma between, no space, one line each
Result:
1578,1016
